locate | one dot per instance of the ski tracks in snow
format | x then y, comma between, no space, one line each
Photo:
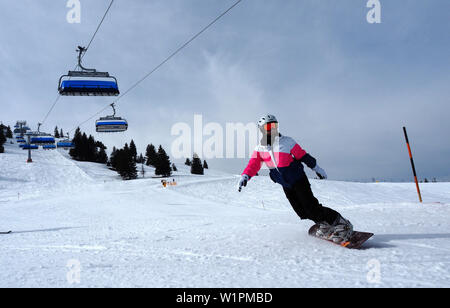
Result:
203,233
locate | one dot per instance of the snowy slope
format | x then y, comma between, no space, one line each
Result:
203,233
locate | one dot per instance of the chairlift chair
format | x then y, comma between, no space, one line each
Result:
89,82
111,124
39,138
66,144
49,147
29,147
42,140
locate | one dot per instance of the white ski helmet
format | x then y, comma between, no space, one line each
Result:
270,118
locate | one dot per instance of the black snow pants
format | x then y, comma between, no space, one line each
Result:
306,205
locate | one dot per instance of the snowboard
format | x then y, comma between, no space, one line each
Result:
356,241
8,232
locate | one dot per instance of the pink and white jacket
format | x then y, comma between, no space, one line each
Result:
284,158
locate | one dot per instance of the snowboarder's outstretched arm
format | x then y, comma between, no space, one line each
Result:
253,167
299,154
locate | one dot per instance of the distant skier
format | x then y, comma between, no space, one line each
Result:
284,157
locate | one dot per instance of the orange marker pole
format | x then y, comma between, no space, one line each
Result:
412,164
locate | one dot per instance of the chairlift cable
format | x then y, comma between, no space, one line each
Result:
51,109
164,61
177,51
98,27
87,48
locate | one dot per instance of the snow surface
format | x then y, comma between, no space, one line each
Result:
203,233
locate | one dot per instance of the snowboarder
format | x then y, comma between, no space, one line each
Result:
284,157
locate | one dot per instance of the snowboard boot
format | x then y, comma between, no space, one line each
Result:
340,231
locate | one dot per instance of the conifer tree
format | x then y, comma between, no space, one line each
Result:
9,132
2,140
142,169
91,152
112,159
57,132
133,150
151,155
84,147
125,164
196,166
163,165
87,149
205,165
120,162
140,159
188,162
2,137
102,157
75,152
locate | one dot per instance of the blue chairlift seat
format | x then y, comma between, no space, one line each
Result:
49,146
41,140
89,82
65,144
29,147
111,125
89,88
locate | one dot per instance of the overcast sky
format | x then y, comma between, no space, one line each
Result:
343,88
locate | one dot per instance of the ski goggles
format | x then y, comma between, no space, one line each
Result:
269,126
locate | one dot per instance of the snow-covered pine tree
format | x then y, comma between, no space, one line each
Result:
133,150
92,152
9,133
77,139
125,164
2,141
140,159
87,149
102,157
142,169
132,172
163,165
112,159
151,155
196,167
2,137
